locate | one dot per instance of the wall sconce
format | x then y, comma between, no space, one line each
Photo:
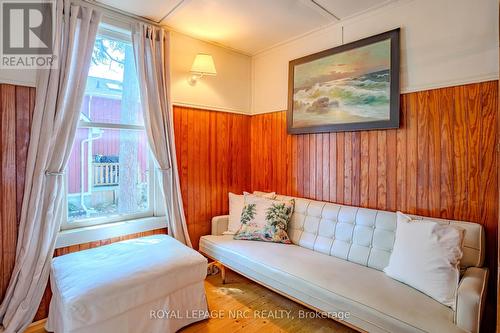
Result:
203,65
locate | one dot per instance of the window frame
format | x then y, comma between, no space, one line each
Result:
156,205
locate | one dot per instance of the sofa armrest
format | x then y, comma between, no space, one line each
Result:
471,296
219,224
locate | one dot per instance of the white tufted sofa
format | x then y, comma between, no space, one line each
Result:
335,265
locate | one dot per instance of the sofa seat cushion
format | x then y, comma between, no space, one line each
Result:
376,303
95,285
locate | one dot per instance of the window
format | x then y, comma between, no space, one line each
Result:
109,175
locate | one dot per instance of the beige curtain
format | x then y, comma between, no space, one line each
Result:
59,93
152,59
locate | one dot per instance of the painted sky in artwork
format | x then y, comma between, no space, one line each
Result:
352,63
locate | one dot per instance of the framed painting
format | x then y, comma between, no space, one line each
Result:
347,88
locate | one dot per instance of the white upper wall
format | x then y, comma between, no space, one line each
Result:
443,43
229,91
23,77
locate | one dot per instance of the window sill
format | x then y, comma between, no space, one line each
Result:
104,231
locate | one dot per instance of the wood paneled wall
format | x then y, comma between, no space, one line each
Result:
213,157
16,108
441,162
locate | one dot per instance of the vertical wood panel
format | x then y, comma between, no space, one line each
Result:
364,169
348,172
460,154
372,168
446,108
291,156
326,167
340,167
300,165
23,125
391,164
489,191
312,166
411,152
473,106
423,142
356,168
319,167
294,165
382,170
401,160
333,167
434,203
12,185
306,166
276,160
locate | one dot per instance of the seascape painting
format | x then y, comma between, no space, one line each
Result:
350,89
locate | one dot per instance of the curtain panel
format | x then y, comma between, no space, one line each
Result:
59,93
151,49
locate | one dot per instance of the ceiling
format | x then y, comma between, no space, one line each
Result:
249,26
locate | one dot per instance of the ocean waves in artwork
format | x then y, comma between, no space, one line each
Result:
362,99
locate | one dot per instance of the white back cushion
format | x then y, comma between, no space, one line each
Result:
364,236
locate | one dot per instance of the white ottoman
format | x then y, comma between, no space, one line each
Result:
150,284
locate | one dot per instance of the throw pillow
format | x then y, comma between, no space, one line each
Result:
236,204
265,220
426,256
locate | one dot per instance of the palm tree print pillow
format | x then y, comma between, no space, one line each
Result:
265,220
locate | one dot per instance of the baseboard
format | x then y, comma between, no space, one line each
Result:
37,327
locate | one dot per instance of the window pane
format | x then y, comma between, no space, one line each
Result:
108,173
112,91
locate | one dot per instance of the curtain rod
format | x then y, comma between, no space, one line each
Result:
118,14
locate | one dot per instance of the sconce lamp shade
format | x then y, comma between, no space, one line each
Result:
203,65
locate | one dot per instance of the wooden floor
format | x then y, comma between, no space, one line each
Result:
249,298
243,306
